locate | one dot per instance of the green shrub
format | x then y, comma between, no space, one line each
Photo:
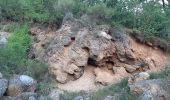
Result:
14,53
165,73
44,88
13,59
101,13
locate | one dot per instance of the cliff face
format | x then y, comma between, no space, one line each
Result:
85,57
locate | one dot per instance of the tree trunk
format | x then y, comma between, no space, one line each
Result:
163,2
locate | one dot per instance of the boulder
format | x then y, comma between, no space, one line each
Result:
130,54
155,89
120,70
20,84
60,76
3,87
130,68
120,51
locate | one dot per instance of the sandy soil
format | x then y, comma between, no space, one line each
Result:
159,57
86,82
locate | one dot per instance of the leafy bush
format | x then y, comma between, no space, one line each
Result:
14,54
13,59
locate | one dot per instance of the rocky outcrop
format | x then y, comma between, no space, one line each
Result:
71,49
79,44
156,89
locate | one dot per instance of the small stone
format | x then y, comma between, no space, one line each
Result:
147,96
119,70
130,68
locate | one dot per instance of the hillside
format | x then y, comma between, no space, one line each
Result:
84,49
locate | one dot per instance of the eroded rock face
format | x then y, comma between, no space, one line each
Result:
78,44
71,49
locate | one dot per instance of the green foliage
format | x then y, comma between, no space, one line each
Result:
34,10
13,59
145,16
14,54
44,88
100,12
163,74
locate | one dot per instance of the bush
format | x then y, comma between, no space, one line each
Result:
165,73
44,88
13,59
100,13
13,55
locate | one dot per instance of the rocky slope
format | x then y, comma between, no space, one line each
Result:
86,57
